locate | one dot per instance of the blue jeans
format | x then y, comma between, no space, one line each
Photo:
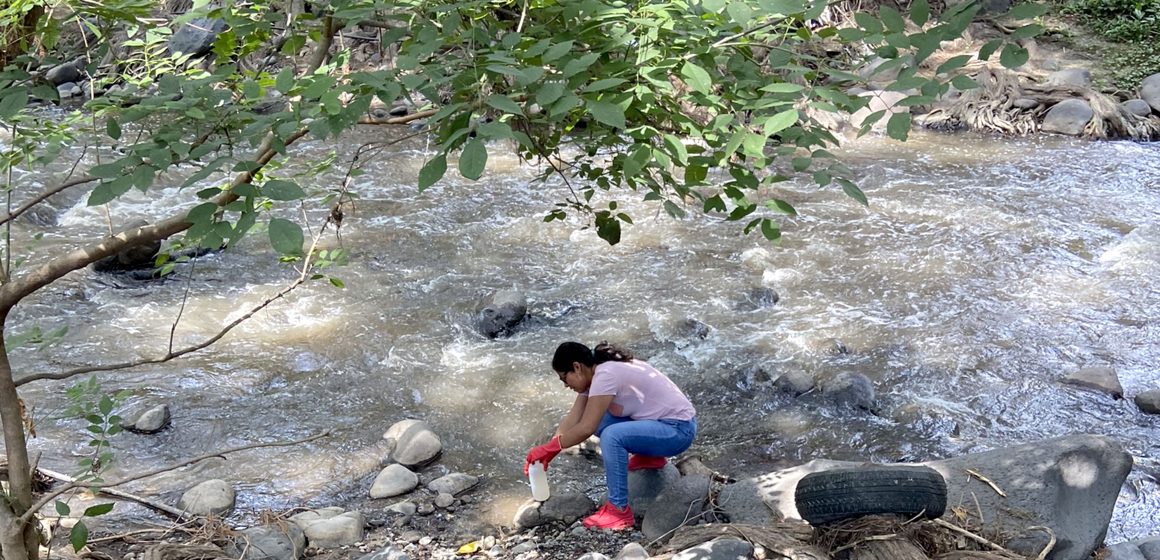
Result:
620,435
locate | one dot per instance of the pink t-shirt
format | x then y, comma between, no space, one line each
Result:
640,392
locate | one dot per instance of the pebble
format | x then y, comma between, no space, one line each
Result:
425,541
444,500
488,541
523,547
426,508
412,536
579,531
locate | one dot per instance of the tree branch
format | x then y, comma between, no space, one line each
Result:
44,195
102,487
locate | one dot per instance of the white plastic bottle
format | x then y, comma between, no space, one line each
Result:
538,477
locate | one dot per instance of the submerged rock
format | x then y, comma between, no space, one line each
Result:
1101,378
502,314
151,421
1069,116
212,497
1148,401
413,443
852,389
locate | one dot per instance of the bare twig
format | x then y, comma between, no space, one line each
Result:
1050,543
987,481
972,536
867,539
105,487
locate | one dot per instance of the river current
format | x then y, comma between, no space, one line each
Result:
983,271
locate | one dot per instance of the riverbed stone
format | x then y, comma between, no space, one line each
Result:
1075,77
1068,484
444,500
681,503
331,527
269,542
1137,107
1123,551
719,549
406,508
794,382
1148,402
502,314
1150,91
562,507
593,556
212,497
633,551
760,297
391,552
1150,547
1098,378
151,421
453,483
851,389
64,73
196,37
413,443
393,481
1069,117
1025,103
646,485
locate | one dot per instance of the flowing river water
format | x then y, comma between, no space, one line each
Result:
983,271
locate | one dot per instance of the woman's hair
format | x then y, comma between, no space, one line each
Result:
570,352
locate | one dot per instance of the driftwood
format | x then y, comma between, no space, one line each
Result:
890,547
781,541
991,108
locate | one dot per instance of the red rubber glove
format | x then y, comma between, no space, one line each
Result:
543,453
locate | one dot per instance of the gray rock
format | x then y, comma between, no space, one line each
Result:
414,444
849,388
1150,91
502,314
1148,401
269,542
1150,547
1069,116
633,551
1025,103
1137,107
646,485
394,480
762,297
388,553
151,421
212,497
68,90
681,503
64,73
454,483
593,556
331,527
406,508
444,500
564,508
794,382
526,546
196,37
1124,551
1075,77
1099,378
133,258
720,549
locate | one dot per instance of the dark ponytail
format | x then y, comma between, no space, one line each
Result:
571,352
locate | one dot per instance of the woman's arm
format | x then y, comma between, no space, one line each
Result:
589,419
574,414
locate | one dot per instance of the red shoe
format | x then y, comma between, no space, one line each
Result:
638,462
610,517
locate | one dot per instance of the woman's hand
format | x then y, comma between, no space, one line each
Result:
543,453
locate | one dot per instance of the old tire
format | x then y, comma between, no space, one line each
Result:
837,494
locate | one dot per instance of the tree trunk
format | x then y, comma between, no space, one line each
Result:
18,541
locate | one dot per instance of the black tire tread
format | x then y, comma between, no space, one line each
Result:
838,494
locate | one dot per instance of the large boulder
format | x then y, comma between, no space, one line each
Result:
682,503
393,481
1067,484
196,37
1148,401
1150,91
563,508
502,314
646,485
64,73
330,526
413,443
1069,117
1137,107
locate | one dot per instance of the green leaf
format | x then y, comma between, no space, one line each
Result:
505,104
1025,32
989,48
337,283
953,63
278,189
868,23
432,171
1027,10
1013,56
600,85
79,536
286,237
898,127
781,206
770,229
780,122
920,12
608,229
285,81
62,508
697,78
607,113
963,83
99,509
854,192
473,159
13,102
556,51
113,128
891,19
